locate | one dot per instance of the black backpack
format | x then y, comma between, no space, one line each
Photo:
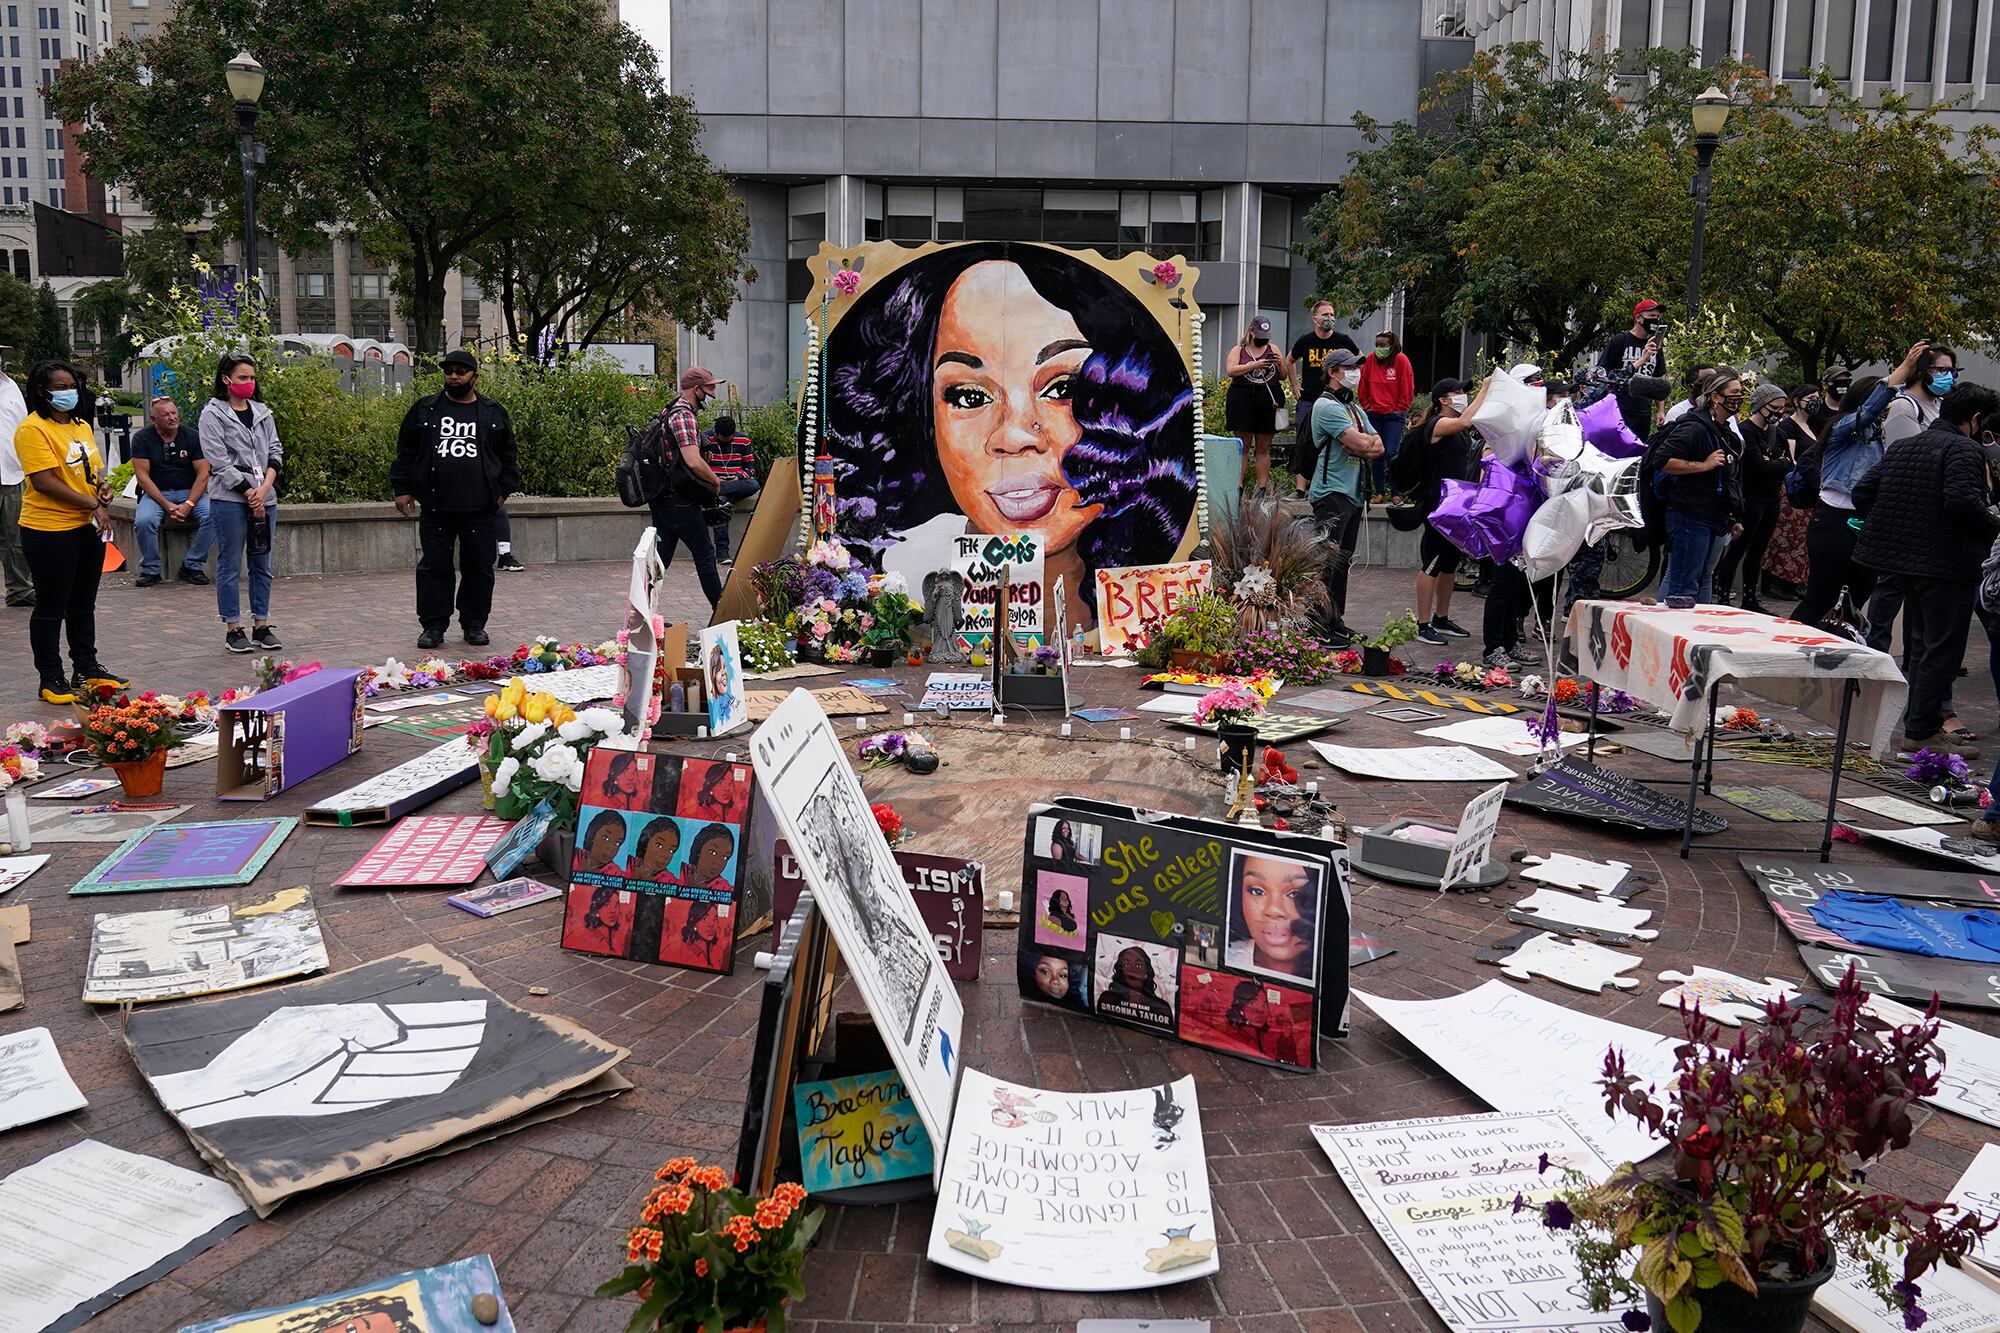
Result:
1406,469
643,469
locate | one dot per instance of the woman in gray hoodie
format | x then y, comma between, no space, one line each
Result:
239,438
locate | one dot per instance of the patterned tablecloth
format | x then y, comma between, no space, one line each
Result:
1670,658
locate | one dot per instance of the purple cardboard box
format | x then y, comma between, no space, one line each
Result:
278,738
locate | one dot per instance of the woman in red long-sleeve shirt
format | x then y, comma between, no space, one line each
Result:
1388,386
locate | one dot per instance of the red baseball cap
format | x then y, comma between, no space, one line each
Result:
1643,307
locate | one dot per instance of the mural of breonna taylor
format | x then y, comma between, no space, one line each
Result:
1001,387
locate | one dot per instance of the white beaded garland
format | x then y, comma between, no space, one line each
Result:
1200,451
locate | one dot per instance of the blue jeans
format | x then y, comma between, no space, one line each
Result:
1390,427
146,527
732,490
1694,547
232,537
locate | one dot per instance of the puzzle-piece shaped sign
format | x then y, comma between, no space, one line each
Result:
1569,914
1724,996
1575,963
1574,872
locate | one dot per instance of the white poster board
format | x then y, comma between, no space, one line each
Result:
1502,735
1473,846
417,781
33,1083
1440,1194
15,869
176,952
821,811
1413,763
1969,1084
576,686
56,1216
1059,613
1127,598
1955,1302
722,679
1979,1191
1517,1052
1064,1191
642,645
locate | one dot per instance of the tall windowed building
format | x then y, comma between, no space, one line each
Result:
1201,127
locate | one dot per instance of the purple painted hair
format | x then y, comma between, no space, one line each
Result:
1132,401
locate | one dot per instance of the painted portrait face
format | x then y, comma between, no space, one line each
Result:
1003,374
1274,895
1052,977
605,839
657,853
1133,971
711,857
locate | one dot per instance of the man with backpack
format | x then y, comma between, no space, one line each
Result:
686,488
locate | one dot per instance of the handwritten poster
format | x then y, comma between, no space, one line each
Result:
1128,598
1413,763
443,768
1978,1190
1091,1191
981,561
1440,1194
428,849
950,691
949,890
859,1131
1953,1301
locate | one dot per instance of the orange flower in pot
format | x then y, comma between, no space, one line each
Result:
131,737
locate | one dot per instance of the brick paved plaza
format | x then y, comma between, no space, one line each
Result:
550,1203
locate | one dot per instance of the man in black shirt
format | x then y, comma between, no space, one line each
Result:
173,483
1638,352
1309,355
455,455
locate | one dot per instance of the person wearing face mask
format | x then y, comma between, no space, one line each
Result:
1793,440
1928,524
1388,387
1831,402
1309,353
1257,371
1763,468
680,509
1916,406
1702,488
455,456
239,438
1641,351
1438,449
1343,442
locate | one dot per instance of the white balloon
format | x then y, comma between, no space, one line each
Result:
1613,485
1510,417
1556,533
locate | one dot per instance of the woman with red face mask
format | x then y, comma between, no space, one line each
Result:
239,438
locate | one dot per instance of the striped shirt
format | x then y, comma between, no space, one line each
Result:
730,459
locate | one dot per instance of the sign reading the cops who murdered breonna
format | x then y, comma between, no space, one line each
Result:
1094,1191
981,560
1441,1195
859,1131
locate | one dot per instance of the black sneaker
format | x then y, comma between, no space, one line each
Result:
508,563
189,574
724,561
1451,628
1430,634
266,636
56,690
1338,636
146,581
478,638
431,638
237,641
97,676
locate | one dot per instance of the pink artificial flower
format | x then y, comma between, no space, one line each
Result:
846,282
821,630
1165,273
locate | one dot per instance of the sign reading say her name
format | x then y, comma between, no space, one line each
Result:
981,560
1128,598
950,893
1440,1193
859,1131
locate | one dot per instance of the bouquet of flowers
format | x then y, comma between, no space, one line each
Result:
781,586
1229,706
536,749
17,765
126,731
705,1255
763,646
32,737
888,821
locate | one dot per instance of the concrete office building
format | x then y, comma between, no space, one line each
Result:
1204,127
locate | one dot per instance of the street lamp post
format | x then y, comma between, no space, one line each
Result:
1711,112
246,85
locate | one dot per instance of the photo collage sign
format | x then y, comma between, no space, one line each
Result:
1185,927
659,859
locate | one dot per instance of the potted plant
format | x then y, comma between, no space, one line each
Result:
1198,636
1375,649
1229,711
887,626
706,1256
1772,1137
131,737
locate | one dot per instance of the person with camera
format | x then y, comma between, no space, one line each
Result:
680,509
1641,351
1764,463
1702,485
455,456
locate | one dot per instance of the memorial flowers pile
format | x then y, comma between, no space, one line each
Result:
536,748
705,1255
129,731
1231,706
1937,768
1772,1138
544,654
17,765
888,821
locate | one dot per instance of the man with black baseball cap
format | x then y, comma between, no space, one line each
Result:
455,456
1638,352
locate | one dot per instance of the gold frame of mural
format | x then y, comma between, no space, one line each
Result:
775,528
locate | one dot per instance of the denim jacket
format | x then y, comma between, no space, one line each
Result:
1854,445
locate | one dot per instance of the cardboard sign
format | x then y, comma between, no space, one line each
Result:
428,850
722,679
1473,846
660,856
1440,1193
391,795
1188,928
821,811
189,856
277,738
171,954
429,1300
1062,1191
858,1131
980,561
1571,787
950,893
1128,598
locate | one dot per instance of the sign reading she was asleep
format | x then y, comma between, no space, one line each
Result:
859,1131
950,893
979,560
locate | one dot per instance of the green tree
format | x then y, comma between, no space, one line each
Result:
17,316
425,130
47,342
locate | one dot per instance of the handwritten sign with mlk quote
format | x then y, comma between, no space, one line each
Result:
1441,1194
859,1131
1095,1191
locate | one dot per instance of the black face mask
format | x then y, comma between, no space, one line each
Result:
1833,393
460,393
1651,326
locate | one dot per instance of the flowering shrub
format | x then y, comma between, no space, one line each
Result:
1772,1137
1285,651
1229,706
705,1255
129,730
763,646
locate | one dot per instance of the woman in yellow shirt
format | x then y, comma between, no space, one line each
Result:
63,510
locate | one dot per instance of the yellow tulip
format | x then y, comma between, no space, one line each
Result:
505,711
535,709
492,705
516,690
